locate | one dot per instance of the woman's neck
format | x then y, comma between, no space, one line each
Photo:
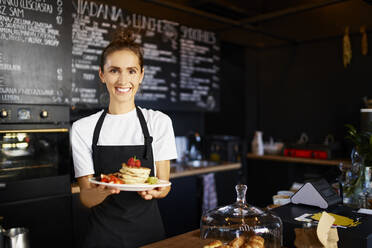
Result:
117,109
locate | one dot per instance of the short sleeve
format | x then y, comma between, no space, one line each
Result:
81,152
164,145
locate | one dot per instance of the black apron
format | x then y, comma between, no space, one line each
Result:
124,220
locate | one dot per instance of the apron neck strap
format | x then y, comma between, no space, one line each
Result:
143,123
98,127
146,134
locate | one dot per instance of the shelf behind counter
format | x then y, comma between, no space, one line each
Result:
281,158
178,171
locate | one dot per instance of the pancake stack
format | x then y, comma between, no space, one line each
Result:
134,175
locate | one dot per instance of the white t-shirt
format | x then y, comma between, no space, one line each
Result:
123,129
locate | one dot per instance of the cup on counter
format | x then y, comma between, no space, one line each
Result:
273,148
2,245
285,192
17,237
281,199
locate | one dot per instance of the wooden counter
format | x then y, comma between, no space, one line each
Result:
178,171
189,239
314,161
184,171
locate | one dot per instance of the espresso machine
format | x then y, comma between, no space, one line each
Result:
224,148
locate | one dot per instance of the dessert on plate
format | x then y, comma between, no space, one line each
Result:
130,173
133,175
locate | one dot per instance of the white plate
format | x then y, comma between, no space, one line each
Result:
133,187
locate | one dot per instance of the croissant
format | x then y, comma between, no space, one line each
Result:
237,242
255,242
214,244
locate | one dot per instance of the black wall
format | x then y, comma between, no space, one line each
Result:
230,120
186,122
286,91
302,88
305,88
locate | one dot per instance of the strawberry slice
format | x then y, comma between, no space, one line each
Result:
131,162
137,163
104,180
111,179
134,162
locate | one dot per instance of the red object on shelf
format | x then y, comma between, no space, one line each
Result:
306,153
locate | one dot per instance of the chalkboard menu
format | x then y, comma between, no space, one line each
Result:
199,67
181,63
34,64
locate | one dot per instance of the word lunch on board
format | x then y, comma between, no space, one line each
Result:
66,39
115,14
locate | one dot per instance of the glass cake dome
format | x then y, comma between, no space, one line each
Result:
243,221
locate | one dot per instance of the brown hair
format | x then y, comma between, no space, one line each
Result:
124,39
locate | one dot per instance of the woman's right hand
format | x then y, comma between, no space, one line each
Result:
105,189
91,194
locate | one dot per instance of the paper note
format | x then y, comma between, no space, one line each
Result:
365,211
304,218
327,236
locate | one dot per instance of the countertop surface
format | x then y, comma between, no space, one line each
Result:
179,170
182,170
189,239
358,236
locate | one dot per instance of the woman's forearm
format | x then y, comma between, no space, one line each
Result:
91,195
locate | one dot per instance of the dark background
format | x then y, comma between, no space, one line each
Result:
285,77
282,86
288,90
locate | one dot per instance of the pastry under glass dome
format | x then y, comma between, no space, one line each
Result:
241,219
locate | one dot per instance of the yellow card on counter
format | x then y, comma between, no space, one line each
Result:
339,220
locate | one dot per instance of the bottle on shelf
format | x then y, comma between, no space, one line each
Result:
257,144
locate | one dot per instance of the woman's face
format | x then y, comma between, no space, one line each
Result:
122,75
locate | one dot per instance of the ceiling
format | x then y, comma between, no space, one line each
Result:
262,23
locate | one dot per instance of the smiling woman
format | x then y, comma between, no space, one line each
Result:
122,75
103,141
121,69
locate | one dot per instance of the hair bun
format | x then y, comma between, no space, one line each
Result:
124,38
125,35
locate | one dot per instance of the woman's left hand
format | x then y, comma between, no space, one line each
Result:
156,193
162,172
